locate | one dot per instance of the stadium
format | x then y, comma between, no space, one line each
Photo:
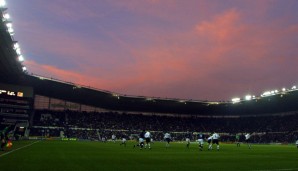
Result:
58,125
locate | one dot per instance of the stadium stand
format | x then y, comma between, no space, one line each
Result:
90,125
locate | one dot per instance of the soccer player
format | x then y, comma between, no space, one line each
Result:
237,140
141,139
103,139
4,138
201,138
114,138
209,140
187,139
215,140
247,140
148,139
297,144
123,141
167,138
3,142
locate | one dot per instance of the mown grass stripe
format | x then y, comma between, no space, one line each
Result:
4,154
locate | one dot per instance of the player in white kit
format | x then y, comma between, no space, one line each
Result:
209,140
114,138
147,139
247,140
167,138
215,140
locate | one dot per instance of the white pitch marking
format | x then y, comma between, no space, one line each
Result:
4,154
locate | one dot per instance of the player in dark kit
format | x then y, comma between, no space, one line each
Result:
201,138
123,141
3,138
3,142
237,140
187,139
141,139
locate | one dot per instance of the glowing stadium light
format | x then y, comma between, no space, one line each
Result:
18,51
6,16
275,91
266,93
283,89
9,25
248,97
236,100
24,68
2,3
21,58
16,46
294,87
272,92
10,30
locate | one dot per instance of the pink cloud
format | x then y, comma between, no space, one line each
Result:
219,55
221,28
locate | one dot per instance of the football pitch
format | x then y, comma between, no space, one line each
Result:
50,155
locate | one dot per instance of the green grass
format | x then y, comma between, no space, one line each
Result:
80,155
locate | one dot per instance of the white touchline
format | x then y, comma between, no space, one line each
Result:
4,154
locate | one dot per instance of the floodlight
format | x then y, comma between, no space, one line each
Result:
248,97
283,89
9,25
272,92
276,91
24,68
21,58
266,93
16,46
18,51
6,16
10,30
2,3
294,87
235,100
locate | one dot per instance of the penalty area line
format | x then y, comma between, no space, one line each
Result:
4,154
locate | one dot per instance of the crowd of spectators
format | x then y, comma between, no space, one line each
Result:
94,125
